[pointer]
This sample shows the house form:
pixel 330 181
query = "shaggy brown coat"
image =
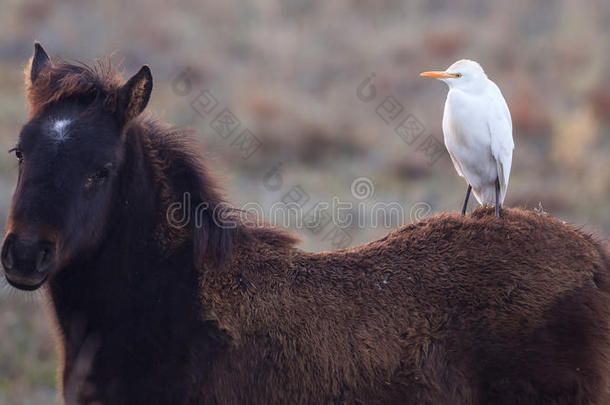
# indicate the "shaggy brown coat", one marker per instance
pixel 450 310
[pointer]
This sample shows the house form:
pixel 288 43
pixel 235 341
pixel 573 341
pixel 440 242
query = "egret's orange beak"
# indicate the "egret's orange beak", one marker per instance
pixel 439 75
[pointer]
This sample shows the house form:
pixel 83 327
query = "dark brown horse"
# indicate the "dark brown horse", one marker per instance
pixel 450 310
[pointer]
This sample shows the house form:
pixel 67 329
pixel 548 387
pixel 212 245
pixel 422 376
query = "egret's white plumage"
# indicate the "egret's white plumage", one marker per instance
pixel 478 129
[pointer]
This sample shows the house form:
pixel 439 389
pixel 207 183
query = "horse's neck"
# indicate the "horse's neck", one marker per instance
pixel 118 289
pixel 119 316
pixel 121 312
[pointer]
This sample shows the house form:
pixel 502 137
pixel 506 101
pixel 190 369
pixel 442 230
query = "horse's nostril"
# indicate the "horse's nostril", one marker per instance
pixel 7 253
pixel 44 258
pixel 42 255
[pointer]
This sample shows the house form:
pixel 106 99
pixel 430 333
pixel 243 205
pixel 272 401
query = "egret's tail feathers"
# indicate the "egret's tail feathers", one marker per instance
pixel 486 195
pixel 503 181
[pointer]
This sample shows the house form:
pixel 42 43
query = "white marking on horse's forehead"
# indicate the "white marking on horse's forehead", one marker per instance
pixel 59 129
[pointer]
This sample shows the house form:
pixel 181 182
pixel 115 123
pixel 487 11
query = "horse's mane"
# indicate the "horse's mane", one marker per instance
pixel 173 157
pixel 179 168
pixel 63 79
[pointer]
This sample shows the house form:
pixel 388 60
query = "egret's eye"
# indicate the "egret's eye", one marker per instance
pixel 458 75
pixel 18 153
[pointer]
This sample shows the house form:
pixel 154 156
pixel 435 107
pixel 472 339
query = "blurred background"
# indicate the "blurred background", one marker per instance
pixel 330 97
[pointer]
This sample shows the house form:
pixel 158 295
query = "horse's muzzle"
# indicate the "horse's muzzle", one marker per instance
pixel 27 263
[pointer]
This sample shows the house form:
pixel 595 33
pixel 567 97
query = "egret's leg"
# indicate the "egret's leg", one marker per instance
pixel 497 198
pixel 466 200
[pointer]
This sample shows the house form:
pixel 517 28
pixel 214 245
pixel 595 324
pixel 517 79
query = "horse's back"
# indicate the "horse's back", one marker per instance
pixel 501 311
pixel 450 310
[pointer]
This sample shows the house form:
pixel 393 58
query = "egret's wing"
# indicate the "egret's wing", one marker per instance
pixel 456 164
pixel 502 145
pixel 448 131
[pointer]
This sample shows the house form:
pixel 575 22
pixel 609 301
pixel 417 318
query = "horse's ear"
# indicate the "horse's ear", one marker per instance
pixel 134 95
pixel 40 61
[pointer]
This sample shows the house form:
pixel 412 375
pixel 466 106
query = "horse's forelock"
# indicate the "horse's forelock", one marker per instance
pixel 62 80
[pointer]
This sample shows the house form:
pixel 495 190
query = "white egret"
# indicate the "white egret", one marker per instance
pixel 477 128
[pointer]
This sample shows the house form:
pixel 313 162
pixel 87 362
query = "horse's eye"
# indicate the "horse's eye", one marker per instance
pixel 99 177
pixel 18 154
pixel 102 173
